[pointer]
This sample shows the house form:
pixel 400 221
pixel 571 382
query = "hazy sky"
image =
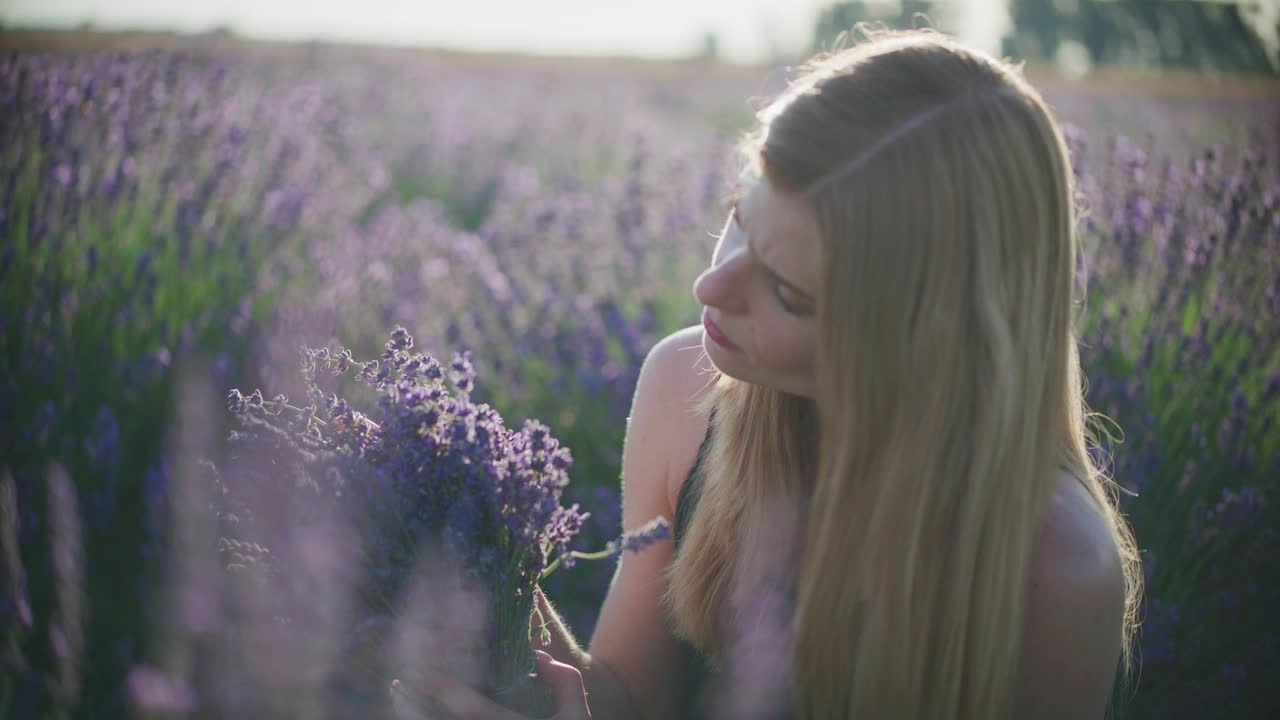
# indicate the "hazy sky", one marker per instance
pixel 651 28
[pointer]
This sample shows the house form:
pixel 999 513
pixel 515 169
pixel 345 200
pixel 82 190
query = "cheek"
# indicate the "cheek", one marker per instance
pixel 791 352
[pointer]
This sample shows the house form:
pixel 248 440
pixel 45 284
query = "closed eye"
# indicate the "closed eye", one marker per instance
pixel 778 290
pixel 777 293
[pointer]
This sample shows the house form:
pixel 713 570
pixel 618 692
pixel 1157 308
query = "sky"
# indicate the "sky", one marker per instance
pixel 746 29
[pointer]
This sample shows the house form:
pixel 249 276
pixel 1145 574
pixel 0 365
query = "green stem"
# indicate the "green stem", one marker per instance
pixel 302 410
pixel 544 635
pixel 600 555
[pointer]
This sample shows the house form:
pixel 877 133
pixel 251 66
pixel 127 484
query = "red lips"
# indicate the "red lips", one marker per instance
pixel 715 333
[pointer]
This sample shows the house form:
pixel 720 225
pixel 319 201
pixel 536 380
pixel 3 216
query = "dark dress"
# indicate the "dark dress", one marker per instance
pixel 699 675
pixel 694 668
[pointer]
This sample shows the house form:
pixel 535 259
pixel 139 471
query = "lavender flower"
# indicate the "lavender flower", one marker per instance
pixel 651 532
pixel 648 534
pixel 436 470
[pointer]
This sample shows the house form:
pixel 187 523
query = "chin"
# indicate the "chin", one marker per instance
pixel 732 364
pixel 738 367
pixel 718 355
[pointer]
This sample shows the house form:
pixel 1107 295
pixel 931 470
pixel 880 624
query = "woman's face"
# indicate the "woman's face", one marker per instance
pixel 760 293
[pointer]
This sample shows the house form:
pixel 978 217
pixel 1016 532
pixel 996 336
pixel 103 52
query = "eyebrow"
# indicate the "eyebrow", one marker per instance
pixel 737 218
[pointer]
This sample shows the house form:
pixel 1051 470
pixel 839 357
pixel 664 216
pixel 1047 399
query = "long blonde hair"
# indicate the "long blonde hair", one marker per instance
pixel 949 389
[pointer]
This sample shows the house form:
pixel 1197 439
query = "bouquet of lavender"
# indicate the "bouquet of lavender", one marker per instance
pixel 436 479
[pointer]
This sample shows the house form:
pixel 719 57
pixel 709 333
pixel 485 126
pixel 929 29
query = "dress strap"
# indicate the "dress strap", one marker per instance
pixel 691 488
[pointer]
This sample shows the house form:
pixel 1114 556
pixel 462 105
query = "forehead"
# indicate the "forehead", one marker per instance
pixel 781 229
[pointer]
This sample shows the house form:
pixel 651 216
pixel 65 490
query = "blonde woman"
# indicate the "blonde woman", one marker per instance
pixel 874 447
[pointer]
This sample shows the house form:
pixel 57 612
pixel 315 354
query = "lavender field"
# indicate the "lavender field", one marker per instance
pixel 175 223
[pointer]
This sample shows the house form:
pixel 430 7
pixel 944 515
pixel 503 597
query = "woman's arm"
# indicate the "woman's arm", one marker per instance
pixel 633 641
pixel 632 669
pixel 1074 621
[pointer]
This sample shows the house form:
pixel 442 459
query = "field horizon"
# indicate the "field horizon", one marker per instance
pixel 1101 79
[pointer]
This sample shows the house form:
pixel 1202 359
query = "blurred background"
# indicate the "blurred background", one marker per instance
pixel 191 191
pixel 1211 35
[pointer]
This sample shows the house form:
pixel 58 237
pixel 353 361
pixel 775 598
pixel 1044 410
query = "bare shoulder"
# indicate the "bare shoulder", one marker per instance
pixel 632 640
pixel 1072 634
pixel 675 375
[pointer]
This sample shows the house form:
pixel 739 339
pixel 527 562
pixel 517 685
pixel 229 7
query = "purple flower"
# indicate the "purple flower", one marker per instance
pixel 436 470
pixel 651 532
pixel 103 442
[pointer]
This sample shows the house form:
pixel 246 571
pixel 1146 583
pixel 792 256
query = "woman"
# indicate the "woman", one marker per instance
pixel 889 444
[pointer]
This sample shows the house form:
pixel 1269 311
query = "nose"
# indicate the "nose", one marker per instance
pixel 722 285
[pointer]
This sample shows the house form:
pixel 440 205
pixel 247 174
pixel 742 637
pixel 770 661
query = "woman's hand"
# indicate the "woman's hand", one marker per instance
pixel 460 702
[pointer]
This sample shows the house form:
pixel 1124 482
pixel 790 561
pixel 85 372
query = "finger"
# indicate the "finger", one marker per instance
pixel 462 702
pixel 566 685
pixel 409 704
